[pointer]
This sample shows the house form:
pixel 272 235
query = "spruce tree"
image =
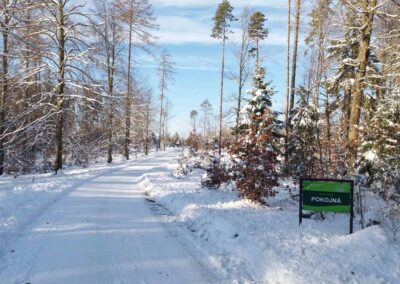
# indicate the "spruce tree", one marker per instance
pixel 255 151
pixel 304 139
pixel 380 147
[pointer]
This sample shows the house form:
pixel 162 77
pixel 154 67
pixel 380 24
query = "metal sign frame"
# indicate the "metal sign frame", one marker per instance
pixel 351 182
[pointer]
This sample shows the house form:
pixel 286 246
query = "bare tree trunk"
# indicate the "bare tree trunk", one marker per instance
pixel 111 70
pixel 310 75
pixel 146 140
pixel 110 135
pixel 346 112
pixel 205 126
pixel 58 164
pixel 368 7
pixel 287 84
pixel 221 94
pixel 328 135
pixel 160 137
pixel 3 97
pixel 26 122
pixel 319 70
pixel 5 83
pixel 128 104
pixel 294 60
pixel 163 127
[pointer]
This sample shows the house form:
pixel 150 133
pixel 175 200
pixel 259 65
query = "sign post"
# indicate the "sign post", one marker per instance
pixel 326 195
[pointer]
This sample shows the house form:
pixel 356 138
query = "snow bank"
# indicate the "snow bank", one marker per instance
pixel 254 244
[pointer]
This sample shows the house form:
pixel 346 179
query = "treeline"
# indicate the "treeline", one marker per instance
pixel 342 117
pixel 69 89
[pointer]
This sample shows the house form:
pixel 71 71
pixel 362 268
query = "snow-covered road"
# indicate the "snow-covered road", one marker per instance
pixel 104 231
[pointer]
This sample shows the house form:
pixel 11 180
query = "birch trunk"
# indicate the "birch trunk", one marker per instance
pixel 58 164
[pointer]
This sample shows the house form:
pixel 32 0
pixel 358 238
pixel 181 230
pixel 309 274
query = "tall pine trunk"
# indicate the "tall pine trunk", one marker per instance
pixel 287 85
pixel 368 7
pixel 294 60
pixel 222 92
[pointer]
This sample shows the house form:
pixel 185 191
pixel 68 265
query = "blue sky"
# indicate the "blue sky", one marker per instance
pixel 185 27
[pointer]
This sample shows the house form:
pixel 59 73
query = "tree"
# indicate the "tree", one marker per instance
pixel 255 151
pixel 207 109
pixel 367 8
pixel 257 32
pixel 165 72
pixel 109 32
pixel 138 15
pixel 64 53
pixel 7 25
pixel 223 17
pixel 294 59
pixel 242 55
pixel 344 51
pixel 164 123
pixel 59 97
pixel 379 158
pixel 319 27
pixel 287 82
pixel 144 117
pixel 193 116
pixel 304 139
pixel 194 141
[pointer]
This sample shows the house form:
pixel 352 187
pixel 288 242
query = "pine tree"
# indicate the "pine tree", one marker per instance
pixel 207 109
pixel 257 32
pixel 193 116
pixel 368 10
pixel 223 17
pixel 294 59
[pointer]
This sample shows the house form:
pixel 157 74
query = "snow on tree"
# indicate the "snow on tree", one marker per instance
pixel 380 157
pixel 380 148
pixel 255 152
pixel 304 140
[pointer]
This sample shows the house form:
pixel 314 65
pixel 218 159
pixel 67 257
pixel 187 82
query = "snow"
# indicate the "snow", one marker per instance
pixel 101 231
pixel 138 222
pixel 371 156
pixel 250 243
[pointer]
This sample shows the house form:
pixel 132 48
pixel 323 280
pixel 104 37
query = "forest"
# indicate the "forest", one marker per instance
pixel 70 93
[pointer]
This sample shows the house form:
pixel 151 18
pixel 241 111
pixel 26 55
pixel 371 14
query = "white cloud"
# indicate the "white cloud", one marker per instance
pixel 206 3
pixel 184 30
pixel 181 30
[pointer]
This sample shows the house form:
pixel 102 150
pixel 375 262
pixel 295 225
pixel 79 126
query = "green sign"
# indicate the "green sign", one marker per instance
pixel 328 196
